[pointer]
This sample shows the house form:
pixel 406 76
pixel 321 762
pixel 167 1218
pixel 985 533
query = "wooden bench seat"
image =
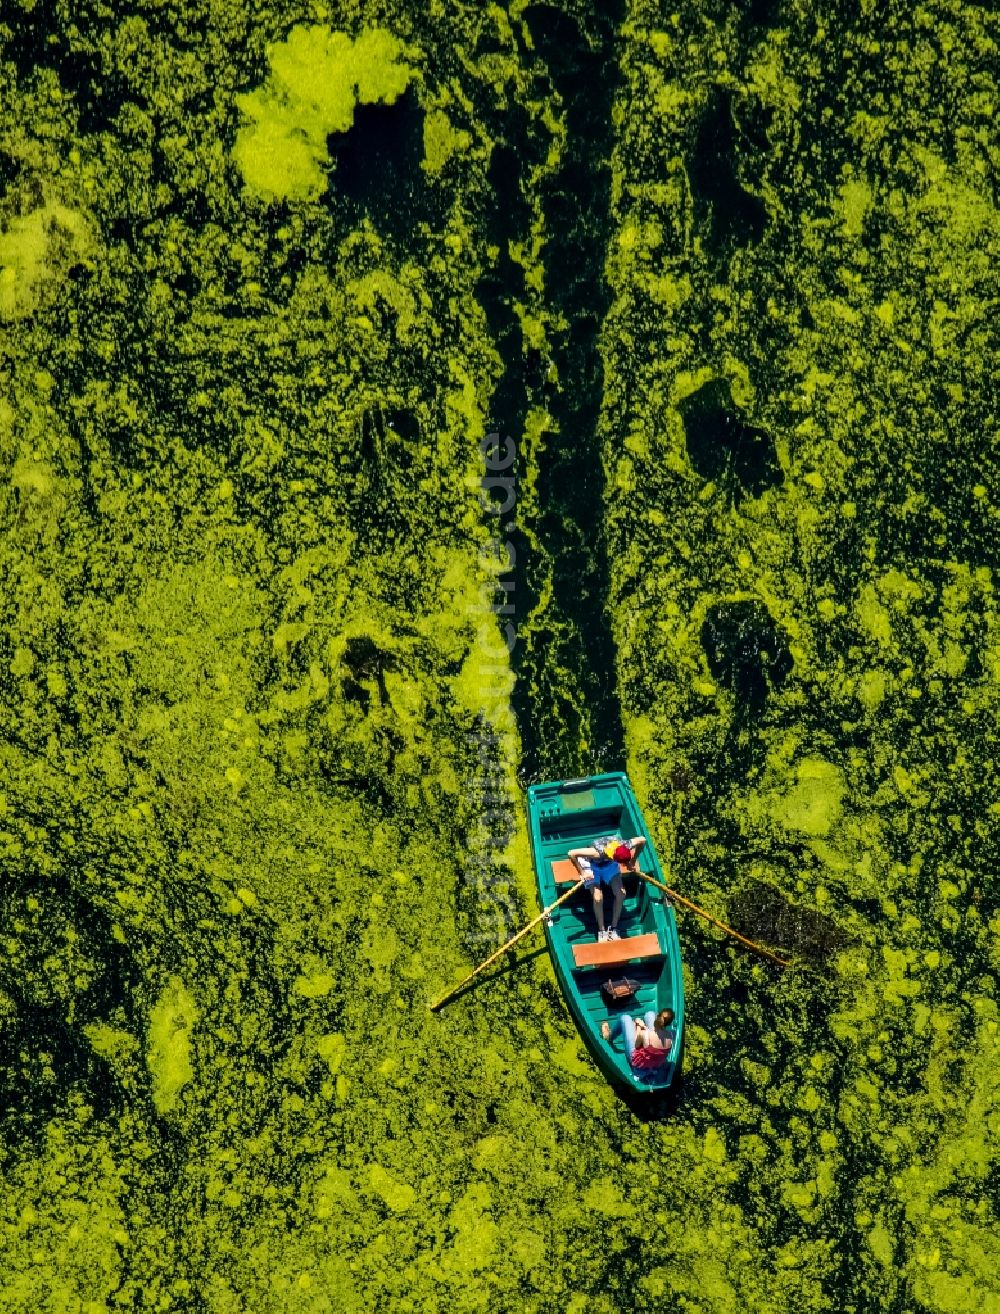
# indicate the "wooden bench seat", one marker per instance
pixel 613 953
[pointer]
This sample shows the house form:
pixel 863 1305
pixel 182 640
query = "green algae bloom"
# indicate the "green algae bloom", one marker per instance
pixel 317 78
pixel 168 1055
pixel 813 804
pixel 442 140
pixel 36 251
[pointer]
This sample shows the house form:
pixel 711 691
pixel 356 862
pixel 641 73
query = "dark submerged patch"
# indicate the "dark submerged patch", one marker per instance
pixel 746 651
pixel 376 166
pixel 763 914
pixel 723 448
pixel 732 215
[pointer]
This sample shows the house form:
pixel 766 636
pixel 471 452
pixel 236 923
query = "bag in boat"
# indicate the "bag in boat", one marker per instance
pixel 615 991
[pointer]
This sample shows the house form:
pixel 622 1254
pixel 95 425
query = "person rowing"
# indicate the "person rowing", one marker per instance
pixel 600 864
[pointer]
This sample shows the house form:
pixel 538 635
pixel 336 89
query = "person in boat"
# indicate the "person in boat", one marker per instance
pixel 648 1039
pixel 599 864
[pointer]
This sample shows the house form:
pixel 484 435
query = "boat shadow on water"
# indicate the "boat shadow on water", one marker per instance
pixel 657 1103
pixel 654 1105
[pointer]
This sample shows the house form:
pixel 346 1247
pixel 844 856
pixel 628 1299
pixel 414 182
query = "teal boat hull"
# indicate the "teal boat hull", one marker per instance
pixel 569 814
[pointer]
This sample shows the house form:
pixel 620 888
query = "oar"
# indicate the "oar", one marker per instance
pixel 503 949
pixel 679 898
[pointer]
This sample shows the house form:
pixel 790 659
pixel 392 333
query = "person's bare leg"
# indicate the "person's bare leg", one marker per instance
pixel 618 889
pixel 599 909
pixel 623 1025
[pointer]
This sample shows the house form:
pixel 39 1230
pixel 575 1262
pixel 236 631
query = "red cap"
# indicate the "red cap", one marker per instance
pixel 623 853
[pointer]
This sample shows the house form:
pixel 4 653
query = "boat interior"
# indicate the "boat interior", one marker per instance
pixel 571 814
pixel 639 954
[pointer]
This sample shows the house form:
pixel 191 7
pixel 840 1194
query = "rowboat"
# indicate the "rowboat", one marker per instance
pixel 568 814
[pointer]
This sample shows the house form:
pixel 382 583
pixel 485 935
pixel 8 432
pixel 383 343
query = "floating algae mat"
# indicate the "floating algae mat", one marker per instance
pixel 723 281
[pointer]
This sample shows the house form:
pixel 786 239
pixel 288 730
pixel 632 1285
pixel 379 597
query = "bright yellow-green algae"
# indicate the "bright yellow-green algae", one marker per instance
pixel 317 78
pixel 168 1057
pixel 36 249
pixel 234 779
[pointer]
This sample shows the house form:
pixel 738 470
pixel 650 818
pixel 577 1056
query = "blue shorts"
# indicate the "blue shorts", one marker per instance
pixel 601 874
